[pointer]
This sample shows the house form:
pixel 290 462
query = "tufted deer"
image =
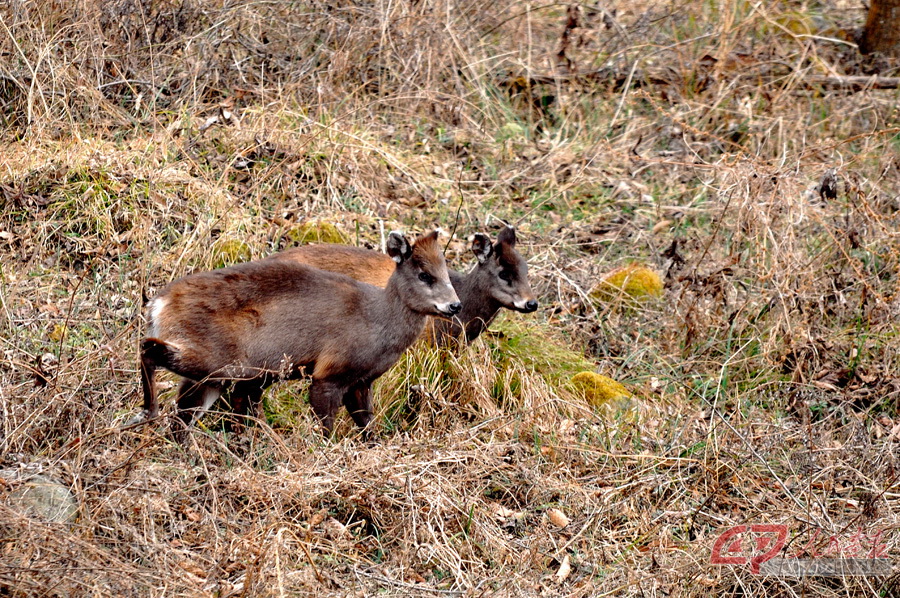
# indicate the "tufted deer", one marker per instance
pixel 239 329
pixel 499 280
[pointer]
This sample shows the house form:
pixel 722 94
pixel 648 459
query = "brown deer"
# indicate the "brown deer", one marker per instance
pixel 499 280
pixel 239 329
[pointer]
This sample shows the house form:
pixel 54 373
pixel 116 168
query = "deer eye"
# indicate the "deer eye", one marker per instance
pixel 426 278
pixel 506 275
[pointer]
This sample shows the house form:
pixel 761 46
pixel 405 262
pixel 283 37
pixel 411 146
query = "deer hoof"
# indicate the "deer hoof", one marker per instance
pixel 140 418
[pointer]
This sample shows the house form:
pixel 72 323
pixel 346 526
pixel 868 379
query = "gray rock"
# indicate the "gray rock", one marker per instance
pixel 40 496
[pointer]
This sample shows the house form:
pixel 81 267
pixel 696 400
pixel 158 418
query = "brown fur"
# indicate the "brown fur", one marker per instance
pixel 482 292
pixel 241 328
pixel 362 264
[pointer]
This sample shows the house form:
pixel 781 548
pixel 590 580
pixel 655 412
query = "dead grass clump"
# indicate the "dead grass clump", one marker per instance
pixel 123 63
pixel 726 145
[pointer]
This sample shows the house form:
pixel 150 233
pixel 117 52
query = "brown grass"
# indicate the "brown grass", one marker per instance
pixel 141 137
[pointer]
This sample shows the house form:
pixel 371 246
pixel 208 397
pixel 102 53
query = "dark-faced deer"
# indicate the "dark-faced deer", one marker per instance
pixel 241 328
pixel 499 280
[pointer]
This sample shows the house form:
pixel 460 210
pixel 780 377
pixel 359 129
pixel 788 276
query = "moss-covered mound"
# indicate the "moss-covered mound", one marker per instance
pixel 634 282
pixel 316 231
pixel 535 347
pixel 227 252
pixel 597 389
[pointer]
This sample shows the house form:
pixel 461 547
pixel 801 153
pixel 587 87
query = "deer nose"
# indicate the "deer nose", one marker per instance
pixel 531 305
pixel 454 308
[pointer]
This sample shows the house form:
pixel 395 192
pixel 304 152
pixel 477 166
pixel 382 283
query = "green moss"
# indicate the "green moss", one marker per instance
pixel 286 405
pixel 511 130
pixel 90 203
pixel 634 282
pixel 426 371
pixel 230 251
pixel 315 231
pixel 537 348
pixel 597 389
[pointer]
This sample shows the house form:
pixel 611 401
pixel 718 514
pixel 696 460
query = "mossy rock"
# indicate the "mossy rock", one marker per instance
pixel 634 282
pixel 315 231
pixel 230 251
pixel 599 390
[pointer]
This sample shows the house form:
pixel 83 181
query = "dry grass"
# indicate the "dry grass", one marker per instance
pixel 143 140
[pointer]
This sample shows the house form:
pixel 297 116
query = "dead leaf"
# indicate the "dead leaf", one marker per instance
pixel 564 569
pixel 557 517
pixel 661 226
pixel 825 385
pixel 895 431
pixel 866 378
pixel 317 518
pixel 192 568
pixel 334 529
pixel 50 309
pixel 209 122
pixel 191 515
pixel 501 512
pixel 414 577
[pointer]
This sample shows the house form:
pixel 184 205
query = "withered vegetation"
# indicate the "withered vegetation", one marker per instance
pixel 746 151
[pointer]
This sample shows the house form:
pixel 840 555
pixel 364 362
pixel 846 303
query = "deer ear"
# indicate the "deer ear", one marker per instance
pixel 398 247
pixel 481 247
pixel 507 236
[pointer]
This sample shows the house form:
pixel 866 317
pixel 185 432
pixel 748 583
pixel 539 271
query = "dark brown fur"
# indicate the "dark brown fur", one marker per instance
pixel 483 292
pixel 241 328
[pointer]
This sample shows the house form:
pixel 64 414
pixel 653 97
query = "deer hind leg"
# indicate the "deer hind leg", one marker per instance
pixel 154 354
pixel 194 399
pixel 358 401
pixel 148 376
pixel 245 399
pixel 325 399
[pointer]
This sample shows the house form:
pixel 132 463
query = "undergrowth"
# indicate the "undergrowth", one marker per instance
pixel 720 144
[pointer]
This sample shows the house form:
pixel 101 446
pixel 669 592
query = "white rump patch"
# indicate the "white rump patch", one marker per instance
pixel 156 308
